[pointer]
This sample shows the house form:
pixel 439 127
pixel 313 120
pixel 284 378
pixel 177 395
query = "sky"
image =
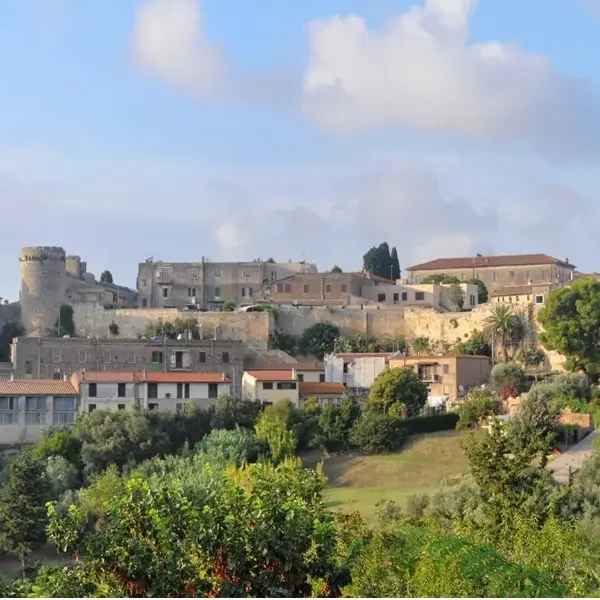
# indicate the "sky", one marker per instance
pixel 313 130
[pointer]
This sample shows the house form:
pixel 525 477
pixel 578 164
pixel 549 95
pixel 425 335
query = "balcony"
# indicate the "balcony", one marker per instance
pixel 164 278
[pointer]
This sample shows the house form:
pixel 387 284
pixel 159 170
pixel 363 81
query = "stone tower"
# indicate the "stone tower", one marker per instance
pixel 43 283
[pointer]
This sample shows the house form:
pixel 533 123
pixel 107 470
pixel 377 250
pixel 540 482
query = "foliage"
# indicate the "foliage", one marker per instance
pixel 421 345
pixel 335 424
pixel 479 405
pixel 476 345
pixel 431 423
pixel 573 404
pixel 309 414
pixel 570 384
pixel 457 296
pixel 369 343
pixel 228 306
pixel 23 506
pixel 65 325
pixel 532 357
pixel 230 446
pixel 336 269
pixel 441 278
pixel 60 442
pixel 113 329
pixel 505 328
pixel 379 261
pixel 508 379
pixel 319 339
pixel 482 291
pixel 255 531
pixel 399 391
pixel 56 581
pixel 274 431
pixel 231 411
pixel 62 475
pixel 571 321
pixel 10 331
pixel 287 342
pixel 171 329
pixel 376 431
pixel 106 277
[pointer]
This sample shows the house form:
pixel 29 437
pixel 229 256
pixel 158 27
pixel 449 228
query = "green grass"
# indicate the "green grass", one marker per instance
pixel 358 482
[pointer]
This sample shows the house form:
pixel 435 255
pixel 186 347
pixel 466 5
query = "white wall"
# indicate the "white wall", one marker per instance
pixel 198 395
pixel 311 376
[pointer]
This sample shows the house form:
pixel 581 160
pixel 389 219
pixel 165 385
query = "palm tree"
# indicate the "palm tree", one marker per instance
pixel 505 328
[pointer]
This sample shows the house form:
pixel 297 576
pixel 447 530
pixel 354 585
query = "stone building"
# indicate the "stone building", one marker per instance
pixel 50 279
pixel 499 271
pixel 55 358
pixel 208 285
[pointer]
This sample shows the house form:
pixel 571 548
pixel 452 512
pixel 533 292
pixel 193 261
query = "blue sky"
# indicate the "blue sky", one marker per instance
pixel 315 129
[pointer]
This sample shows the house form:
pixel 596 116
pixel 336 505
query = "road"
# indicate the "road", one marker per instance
pixel 572 458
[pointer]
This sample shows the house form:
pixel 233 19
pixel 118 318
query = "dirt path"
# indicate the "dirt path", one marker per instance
pixel 572 459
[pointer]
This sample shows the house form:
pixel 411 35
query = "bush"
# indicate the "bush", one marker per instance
pixel 375 432
pixel 431 423
pixel 230 446
pixel 228 306
pixel 479 405
pixel 274 430
pixel 230 412
pixel 508 379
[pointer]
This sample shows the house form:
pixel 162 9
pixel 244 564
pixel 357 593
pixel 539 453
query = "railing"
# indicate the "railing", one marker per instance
pixel 9 417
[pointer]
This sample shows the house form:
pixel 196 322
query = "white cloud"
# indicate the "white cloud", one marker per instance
pixel 421 71
pixel 169 42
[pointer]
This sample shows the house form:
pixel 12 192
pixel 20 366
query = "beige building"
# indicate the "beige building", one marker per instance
pixel 27 408
pixel 271 386
pixel 522 294
pixel 499 271
pixel 113 390
pixel 325 393
pixel 448 377
pixel 54 358
pixel 308 370
pixel 208 285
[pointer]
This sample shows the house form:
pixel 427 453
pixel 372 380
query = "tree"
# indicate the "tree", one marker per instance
pixel 476 345
pixel 482 291
pixel 273 430
pixel 504 328
pixel 231 412
pixel 395 264
pixel 336 269
pixel 376 431
pixel 441 278
pixel 65 325
pixel 171 329
pixel 399 391
pixel 319 339
pixel 233 447
pixel 335 424
pixel 508 379
pixel 479 405
pixel 378 261
pixel 10 331
pixel 532 357
pixel 228 306
pixel 106 277
pixel 113 329
pixel 23 500
pixel 571 321
pixel 457 296
pixel 421 345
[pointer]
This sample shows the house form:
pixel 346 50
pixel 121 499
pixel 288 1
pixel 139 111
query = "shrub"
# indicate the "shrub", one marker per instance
pixel 231 412
pixel 230 446
pixel 228 306
pixel 508 379
pixel 479 405
pixel 375 432
pixel 431 423
pixel 274 431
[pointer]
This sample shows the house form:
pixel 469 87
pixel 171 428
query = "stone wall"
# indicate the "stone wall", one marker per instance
pixel 9 313
pixel 93 319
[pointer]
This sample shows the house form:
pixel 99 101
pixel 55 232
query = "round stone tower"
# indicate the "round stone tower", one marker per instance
pixel 42 287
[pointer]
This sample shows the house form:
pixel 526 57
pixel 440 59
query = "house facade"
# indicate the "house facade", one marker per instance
pixel 355 370
pixel 309 370
pixel 448 377
pixel 325 393
pixel 272 386
pixel 523 294
pixel 499 271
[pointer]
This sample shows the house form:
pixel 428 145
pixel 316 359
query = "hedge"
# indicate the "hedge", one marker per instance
pixel 431 423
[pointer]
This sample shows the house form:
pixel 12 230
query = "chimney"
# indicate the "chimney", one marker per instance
pixel 294 374
pixel 12 376
pixel 65 377
pixel 223 377
pixel 144 374
pixel 567 260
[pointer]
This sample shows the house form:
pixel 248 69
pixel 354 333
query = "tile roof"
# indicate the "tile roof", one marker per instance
pixel 152 377
pixel 309 365
pixel 106 376
pixel 312 388
pixel 36 387
pixel 516 290
pixel 509 260
pixel 283 375
pixel 348 356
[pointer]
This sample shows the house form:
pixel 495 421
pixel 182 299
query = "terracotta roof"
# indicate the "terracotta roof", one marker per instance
pixel 313 388
pixel 152 377
pixel 515 290
pixel 310 365
pixel 509 260
pixel 283 375
pixel 36 387
pixel 348 356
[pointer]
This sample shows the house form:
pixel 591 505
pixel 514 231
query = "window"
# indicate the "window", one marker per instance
pixel 153 390
pixel 380 297
pixel 131 357
pixel 194 274
pixel 56 355
pixel 36 403
pixel 539 299
pixel 463 276
pixel 65 404
pixel 217 293
pixel 225 357
pixel 246 273
pixel 280 288
pixel 472 300
pixel 152 406
pixel 404 296
pixel 202 357
pixel 419 296
pixel 396 297
pixel 300 376
pixel 327 288
pixel 157 356
pixel 165 292
pixel 493 275
pixel 192 292
pixel 143 283
pixel 213 390
pixel 81 356
pixel 306 288
pixel 121 390
pixel 527 276
pixel 511 275
pixel 144 302
pixel 56 374
pixel 180 390
pixel 344 288
pixel 510 299
pixel 93 390
pixel 217 273
pixel 28 368
pixel 446 369
pixel 288 288
pixel 64 411
pixel 9 404
pixel 267 385
pixel 246 292
pixel 91 407
pixel 179 407
pixel 528 297
pixel 186 390
pixel 286 385
pixel 273 275
pixel 120 406
pixel 322 377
